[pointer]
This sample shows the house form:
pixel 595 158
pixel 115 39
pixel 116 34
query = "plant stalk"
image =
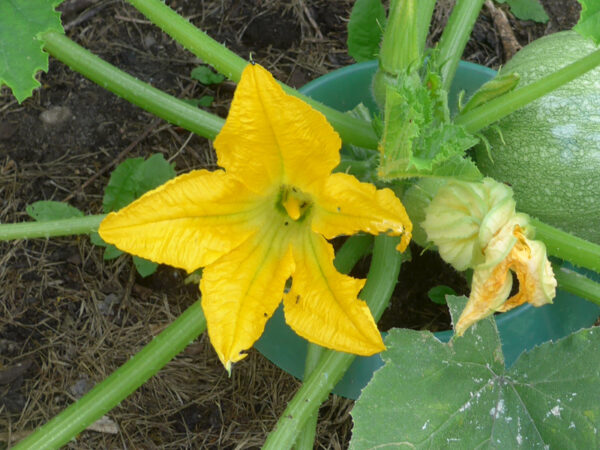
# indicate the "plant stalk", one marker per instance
pixel 455 36
pixel 196 41
pixel 400 47
pixel 346 258
pixel 110 392
pixel 381 281
pixel 563 245
pixel 352 130
pixel 494 110
pixel 403 44
pixel 52 228
pixel 130 88
pixel 577 284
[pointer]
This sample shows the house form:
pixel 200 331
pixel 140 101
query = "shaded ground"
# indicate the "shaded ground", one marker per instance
pixel 67 318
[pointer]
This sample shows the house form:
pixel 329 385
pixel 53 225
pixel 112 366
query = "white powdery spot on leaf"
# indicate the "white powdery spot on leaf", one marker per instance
pixel 554 411
pixel 498 409
pixel 465 406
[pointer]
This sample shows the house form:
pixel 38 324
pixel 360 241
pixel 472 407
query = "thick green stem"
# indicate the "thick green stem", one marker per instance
pixel 306 437
pixel 565 246
pixel 494 110
pixel 400 45
pixel 381 281
pixel 455 36
pixel 424 13
pixel 193 39
pixel 577 284
pixel 130 88
pixel 350 253
pixel 403 43
pixel 53 228
pixel 110 392
pixel 352 130
pixel 346 257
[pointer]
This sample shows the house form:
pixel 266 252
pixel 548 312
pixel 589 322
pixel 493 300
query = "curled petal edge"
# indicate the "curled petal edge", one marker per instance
pixel 492 284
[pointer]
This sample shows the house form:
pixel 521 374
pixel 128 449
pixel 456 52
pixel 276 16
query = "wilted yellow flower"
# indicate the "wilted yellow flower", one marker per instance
pixel 475 225
pixel 263 219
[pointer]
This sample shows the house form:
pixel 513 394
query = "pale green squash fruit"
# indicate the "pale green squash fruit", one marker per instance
pixel 551 150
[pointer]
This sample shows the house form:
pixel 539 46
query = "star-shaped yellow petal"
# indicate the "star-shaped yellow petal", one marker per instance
pixel 188 222
pixel 271 137
pixel 346 206
pixel 241 291
pixel 322 304
pixel 263 219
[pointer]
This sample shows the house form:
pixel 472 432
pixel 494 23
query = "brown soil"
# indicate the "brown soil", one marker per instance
pixel 68 318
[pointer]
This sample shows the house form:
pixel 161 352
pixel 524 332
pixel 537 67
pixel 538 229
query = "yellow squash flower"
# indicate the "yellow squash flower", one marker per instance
pixel 262 219
pixel 475 225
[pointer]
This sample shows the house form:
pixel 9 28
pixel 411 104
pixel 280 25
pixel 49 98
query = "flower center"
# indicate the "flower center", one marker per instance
pixel 295 202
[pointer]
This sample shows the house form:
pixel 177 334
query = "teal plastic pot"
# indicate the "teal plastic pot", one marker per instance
pixel 520 329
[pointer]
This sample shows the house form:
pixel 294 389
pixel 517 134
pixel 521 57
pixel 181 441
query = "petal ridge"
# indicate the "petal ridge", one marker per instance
pixel 242 289
pixel 323 306
pixel 272 137
pixel 208 209
pixel 347 206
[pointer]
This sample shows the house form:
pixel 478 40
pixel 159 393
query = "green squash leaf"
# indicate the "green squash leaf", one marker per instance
pixel 589 21
pixel 460 395
pixel 122 186
pixel 461 167
pixel 21 51
pixel 206 100
pixel 46 210
pixel 206 76
pixel 152 173
pixel 110 251
pixel 527 10
pixel 437 294
pixel 365 29
pixel 144 267
pixel 132 178
pixel 418 138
